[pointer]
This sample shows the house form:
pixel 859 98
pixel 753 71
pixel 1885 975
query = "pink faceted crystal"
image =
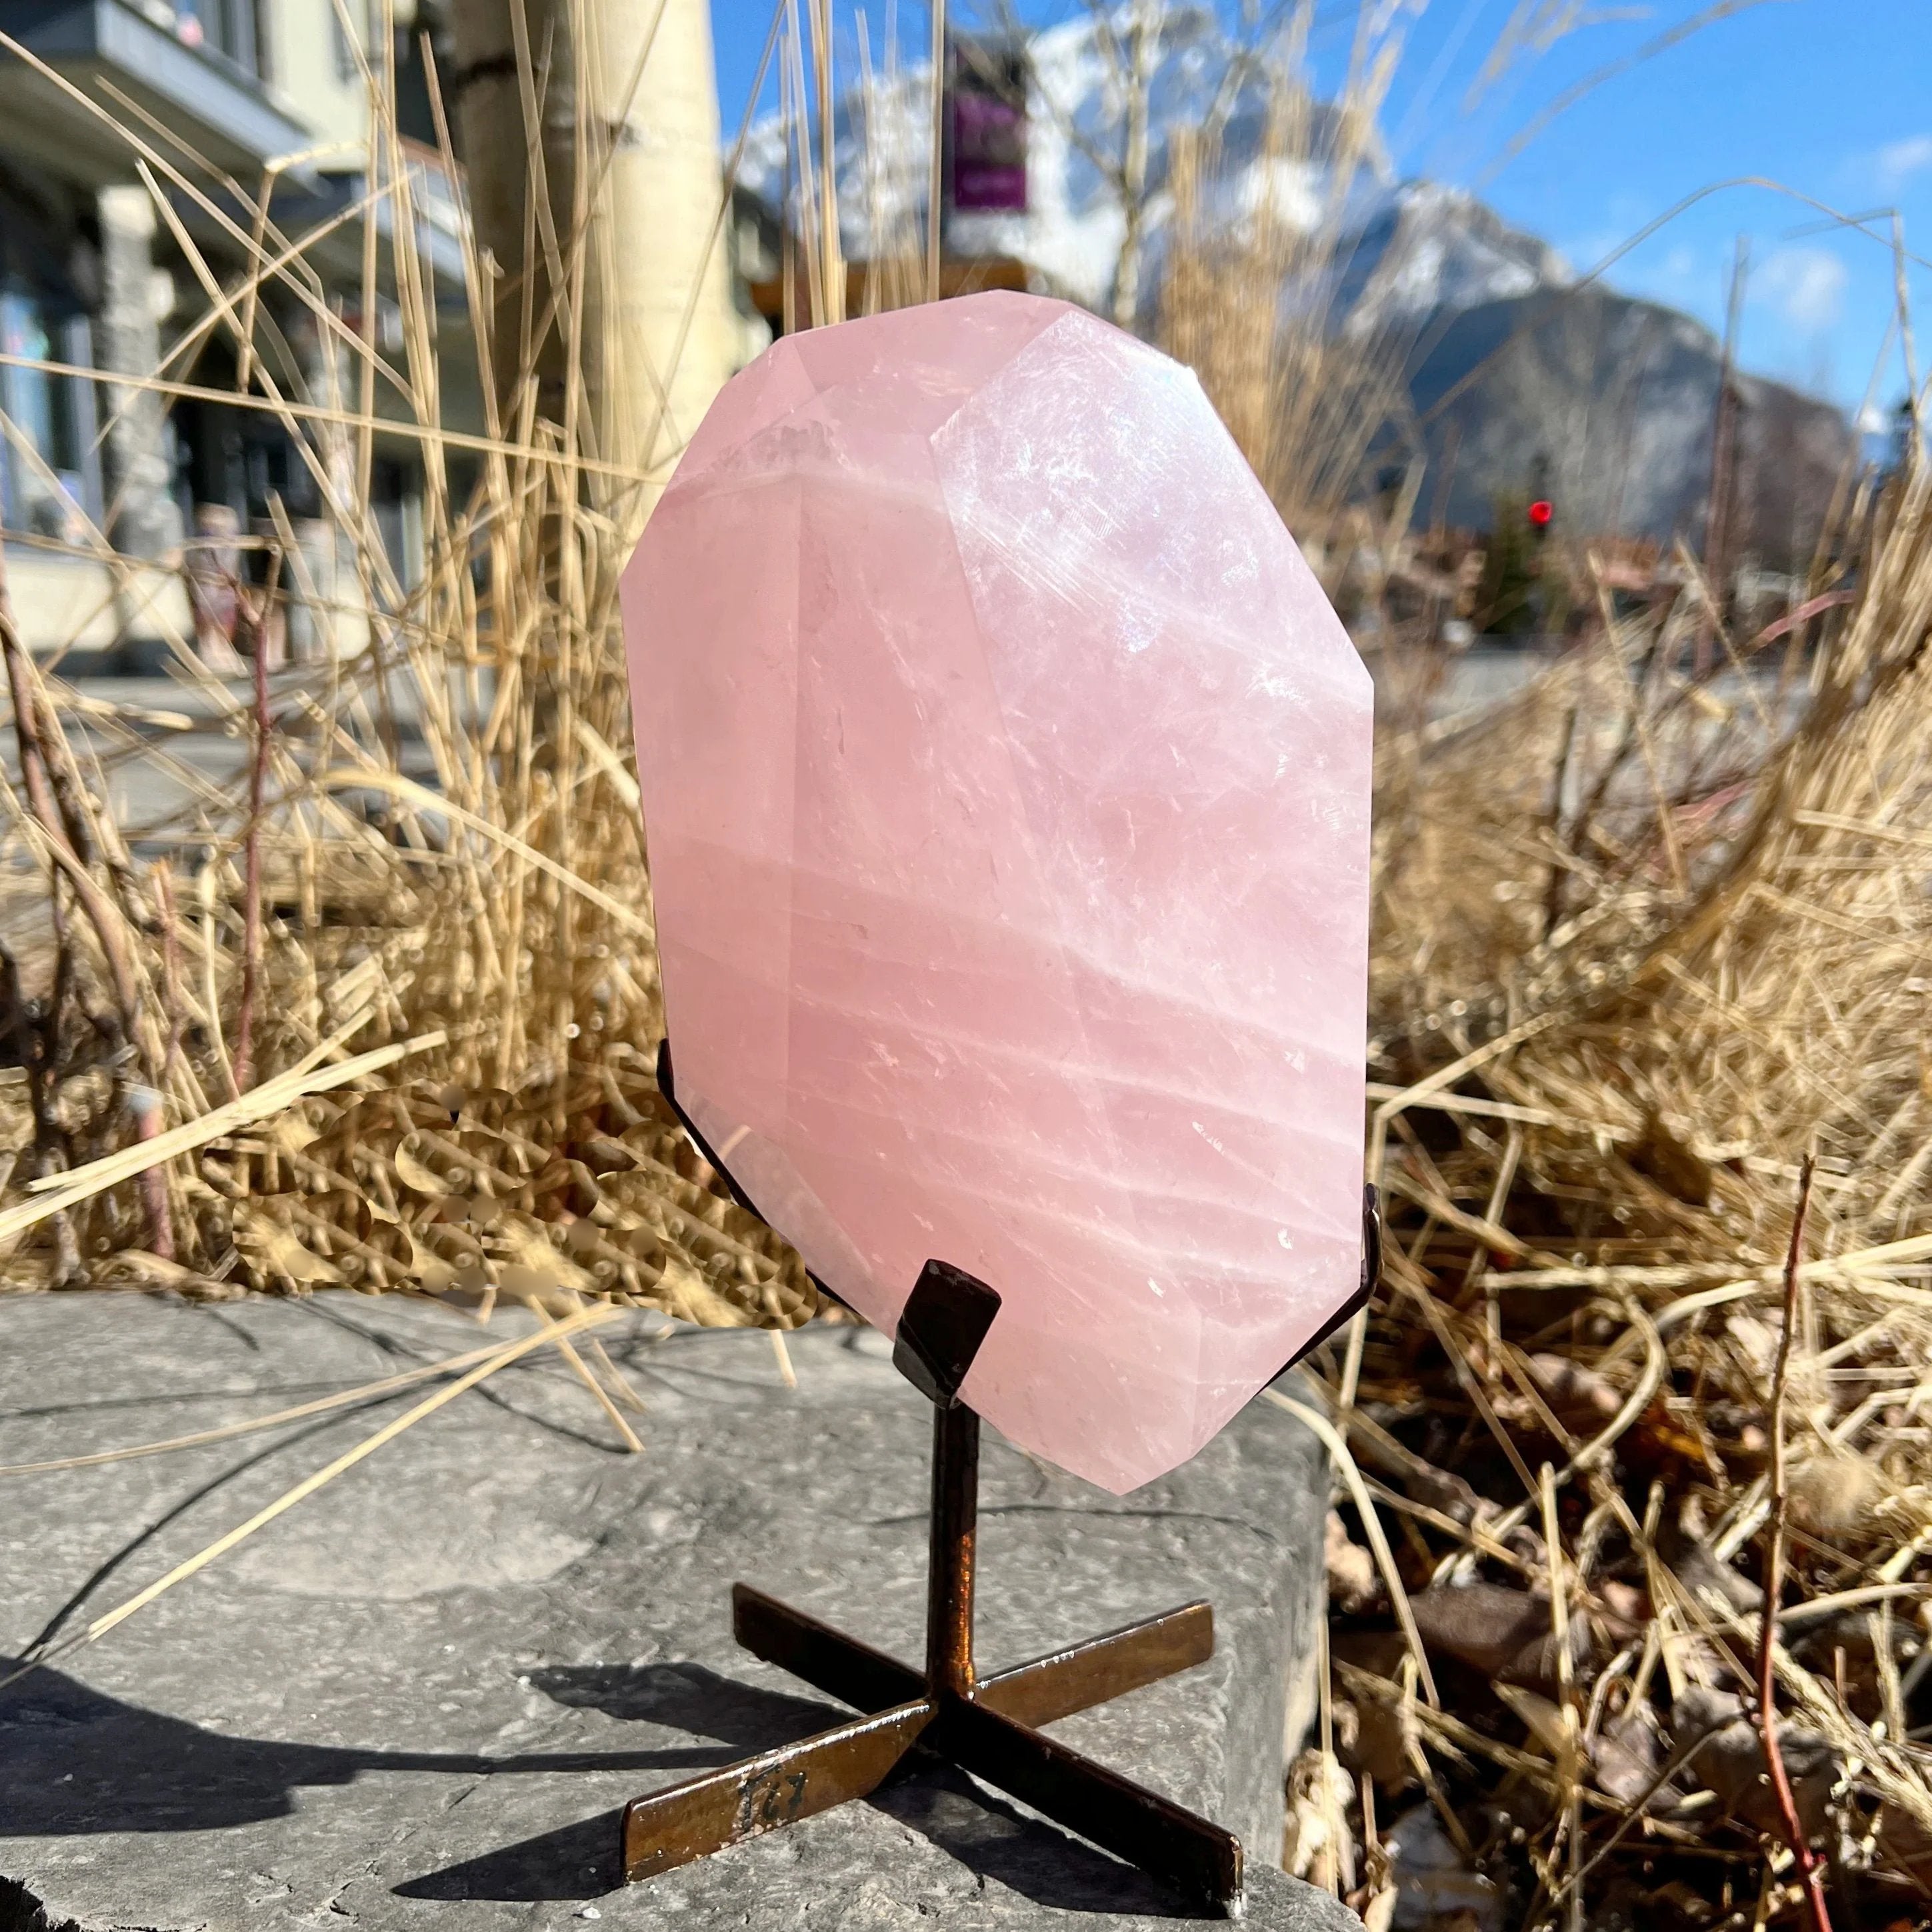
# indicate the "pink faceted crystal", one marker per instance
pixel 1007 778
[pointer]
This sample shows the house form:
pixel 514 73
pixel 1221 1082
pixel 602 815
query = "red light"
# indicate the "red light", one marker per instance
pixel 1540 511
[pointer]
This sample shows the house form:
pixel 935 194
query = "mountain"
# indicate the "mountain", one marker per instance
pixel 1524 382
pixel 1608 403
pixel 1517 376
pixel 1426 251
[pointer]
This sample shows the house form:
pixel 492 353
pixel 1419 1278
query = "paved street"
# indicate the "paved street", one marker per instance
pixel 174 755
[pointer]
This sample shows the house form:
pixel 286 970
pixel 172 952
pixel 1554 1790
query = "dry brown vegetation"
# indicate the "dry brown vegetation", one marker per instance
pixel 396 1031
pixel 1645 945
pixel 1649 968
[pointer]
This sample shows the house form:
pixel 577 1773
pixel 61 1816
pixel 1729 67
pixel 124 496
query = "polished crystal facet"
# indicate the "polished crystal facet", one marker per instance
pixel 1005 776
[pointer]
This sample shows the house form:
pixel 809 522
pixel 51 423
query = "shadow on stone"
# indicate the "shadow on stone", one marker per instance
pixel 73 1762
pixel 688 1697
pixel 575 1861
pixel 995 1840
pixel 580 1861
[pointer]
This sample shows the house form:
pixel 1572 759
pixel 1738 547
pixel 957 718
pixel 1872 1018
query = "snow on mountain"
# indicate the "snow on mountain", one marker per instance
pixel 1071 233
pixel 1430 249
pixel 1409 249
pixel 1513 368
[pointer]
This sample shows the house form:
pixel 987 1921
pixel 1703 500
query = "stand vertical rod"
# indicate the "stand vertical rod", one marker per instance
pixel 955 1512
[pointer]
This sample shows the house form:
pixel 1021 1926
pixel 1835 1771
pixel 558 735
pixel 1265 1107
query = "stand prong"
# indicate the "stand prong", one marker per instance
pixel 1055 1686
pixel 1198 1859
pixel 672 1827
pixel 1040 1692
pixel 827 1659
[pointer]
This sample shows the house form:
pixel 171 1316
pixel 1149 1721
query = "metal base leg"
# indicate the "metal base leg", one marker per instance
pixel 989 1735
pixel 703 1815
pixel 1198 1859
pixel 1039 1692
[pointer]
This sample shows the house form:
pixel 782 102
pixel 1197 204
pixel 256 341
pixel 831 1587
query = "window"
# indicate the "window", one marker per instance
pixel 49 474
pixel 226 27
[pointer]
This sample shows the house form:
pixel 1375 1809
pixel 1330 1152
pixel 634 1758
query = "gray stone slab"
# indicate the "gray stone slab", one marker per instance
pixel 419 1700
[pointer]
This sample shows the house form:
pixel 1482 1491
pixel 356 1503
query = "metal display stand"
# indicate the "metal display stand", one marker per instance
pixel 986 1726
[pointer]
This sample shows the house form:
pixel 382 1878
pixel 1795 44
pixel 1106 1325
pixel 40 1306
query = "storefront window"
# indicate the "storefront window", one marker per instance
pixel 226 27
pixel 47 466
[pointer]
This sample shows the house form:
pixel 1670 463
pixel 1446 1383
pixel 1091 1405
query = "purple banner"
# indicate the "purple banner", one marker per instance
pixel 986 124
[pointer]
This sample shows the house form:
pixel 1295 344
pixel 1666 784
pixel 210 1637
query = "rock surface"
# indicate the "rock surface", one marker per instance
pixel 419 1698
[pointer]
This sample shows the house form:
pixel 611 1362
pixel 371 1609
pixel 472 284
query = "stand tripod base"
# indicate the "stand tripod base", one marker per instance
pixel 987 1731
pixel 983 1725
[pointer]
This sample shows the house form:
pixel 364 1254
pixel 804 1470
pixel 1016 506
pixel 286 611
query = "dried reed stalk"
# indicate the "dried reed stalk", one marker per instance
pixel 433 846
pixel 1810 1873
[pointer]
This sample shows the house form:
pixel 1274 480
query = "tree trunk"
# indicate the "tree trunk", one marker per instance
pixel 667 240
pixel 658 331
pixel 1143 37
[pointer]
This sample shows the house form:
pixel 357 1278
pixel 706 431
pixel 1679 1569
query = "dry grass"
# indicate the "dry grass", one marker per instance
pixel 1252 295
pixel 1644 947
pixel 1647 945
pixel 487 923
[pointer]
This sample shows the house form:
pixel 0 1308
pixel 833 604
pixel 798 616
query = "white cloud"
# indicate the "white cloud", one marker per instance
pixel 1899 161
pixel 1621 219
pixel 1807 285
pixel 1680 265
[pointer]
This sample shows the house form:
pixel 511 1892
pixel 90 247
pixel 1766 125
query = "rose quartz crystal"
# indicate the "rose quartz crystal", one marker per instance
pixel 1006 779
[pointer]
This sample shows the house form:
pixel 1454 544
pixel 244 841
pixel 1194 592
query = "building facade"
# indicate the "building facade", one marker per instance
pixel 135 140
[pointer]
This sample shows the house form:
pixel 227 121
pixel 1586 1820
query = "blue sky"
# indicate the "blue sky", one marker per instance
pixel 1831 98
